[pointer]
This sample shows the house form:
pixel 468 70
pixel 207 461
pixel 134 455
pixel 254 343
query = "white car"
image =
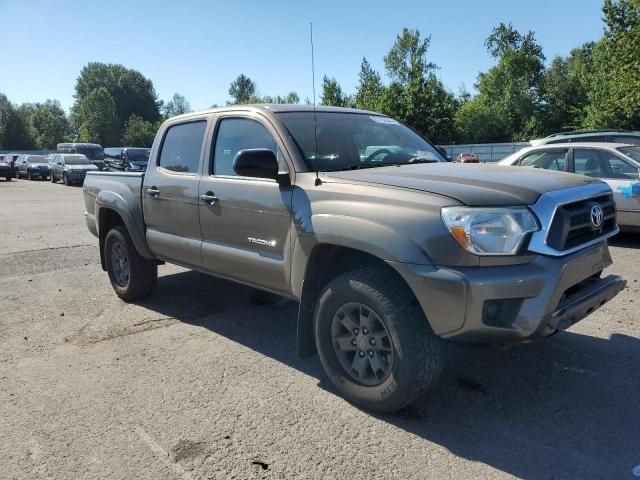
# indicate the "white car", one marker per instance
pixel 616 163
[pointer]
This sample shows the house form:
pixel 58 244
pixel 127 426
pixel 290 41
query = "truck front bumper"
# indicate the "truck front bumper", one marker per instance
pixel 515 303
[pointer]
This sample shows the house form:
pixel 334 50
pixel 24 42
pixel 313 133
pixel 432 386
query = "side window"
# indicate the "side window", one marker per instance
pixel 550 160
pixel 182 146
pixel 632 140
pixel 236 134
pixel 588 162
pixel 591 139
pixel 618 168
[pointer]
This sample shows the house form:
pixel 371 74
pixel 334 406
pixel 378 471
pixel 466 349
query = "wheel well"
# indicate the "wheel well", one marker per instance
pixel 106 221
pixel 326 263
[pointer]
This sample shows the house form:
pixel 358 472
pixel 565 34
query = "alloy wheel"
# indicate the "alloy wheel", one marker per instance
pixel 362 343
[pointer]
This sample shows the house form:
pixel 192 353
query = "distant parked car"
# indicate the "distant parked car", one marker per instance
pixel 92 151
pixel 126 159
pixel 11 158
pixel 5 171
pixel 32 167
pixel 617 164
pixel 70 168
pixel 599 136
pixel 468 158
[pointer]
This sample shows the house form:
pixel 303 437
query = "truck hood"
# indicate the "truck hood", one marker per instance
pixel 471 184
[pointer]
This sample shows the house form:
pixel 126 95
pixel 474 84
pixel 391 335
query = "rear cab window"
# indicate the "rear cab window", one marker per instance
pixel 182 147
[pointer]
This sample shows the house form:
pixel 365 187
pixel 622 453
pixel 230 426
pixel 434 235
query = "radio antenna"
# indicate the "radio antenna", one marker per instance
pixel 315 113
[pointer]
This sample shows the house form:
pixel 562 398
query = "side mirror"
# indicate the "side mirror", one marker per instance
pixel 257 163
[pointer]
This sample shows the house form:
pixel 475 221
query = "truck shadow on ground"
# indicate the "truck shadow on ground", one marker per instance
pixel 567 407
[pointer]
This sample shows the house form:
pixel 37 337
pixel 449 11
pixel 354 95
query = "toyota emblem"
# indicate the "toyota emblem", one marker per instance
pixel 597 216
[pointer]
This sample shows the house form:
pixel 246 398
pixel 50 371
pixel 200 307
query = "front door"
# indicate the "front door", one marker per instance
pixel 245 222
pixel 170 194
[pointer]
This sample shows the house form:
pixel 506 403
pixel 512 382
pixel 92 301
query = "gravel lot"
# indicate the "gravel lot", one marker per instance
pixel 198 382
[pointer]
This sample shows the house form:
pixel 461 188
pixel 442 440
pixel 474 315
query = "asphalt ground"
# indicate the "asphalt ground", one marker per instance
pixel 201 381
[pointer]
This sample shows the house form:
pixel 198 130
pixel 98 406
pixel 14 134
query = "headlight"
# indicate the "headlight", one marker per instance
pixel 489 231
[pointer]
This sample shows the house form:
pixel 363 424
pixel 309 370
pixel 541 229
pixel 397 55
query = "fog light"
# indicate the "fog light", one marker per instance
pixel 501 312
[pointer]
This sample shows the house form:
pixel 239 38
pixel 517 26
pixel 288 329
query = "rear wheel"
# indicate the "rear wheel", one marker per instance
pixel 53 179
pixel 374 342
pixel 131 275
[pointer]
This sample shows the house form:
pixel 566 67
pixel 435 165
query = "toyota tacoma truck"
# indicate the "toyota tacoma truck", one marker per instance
pixel 389 249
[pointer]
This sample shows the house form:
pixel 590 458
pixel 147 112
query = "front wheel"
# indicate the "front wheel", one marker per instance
pixel 374 341
pixel 131 275
pixel 65 179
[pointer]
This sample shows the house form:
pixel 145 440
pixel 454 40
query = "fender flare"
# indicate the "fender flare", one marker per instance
pixel 131 217
pixel 365 236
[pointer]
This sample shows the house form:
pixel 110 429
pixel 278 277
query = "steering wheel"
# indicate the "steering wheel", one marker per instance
pixel 376 153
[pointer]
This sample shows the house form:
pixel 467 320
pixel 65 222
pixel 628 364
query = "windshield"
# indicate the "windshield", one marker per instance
pixel 76 160
pixel 138 154
pixel 36 159
pixel 355 140
pixel 632 152
pixel 92 153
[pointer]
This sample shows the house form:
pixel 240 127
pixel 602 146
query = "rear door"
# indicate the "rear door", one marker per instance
pixel 170 193
pixel 245 229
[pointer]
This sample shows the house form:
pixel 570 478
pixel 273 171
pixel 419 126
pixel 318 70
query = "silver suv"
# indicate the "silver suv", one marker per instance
pixel 601 136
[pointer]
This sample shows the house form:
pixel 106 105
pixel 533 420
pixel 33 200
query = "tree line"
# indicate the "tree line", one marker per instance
pixel 113 105
pixel 518 98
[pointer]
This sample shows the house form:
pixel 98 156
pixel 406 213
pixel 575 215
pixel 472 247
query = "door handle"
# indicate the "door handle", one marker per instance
pixel 153 192
pixel 209 197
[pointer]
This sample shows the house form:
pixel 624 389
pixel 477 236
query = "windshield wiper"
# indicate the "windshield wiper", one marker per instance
pixel 357 166
pixel 415 160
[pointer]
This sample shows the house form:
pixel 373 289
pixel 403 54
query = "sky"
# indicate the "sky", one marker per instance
pixel 197 48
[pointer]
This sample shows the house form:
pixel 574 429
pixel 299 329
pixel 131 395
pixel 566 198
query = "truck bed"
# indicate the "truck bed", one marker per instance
pixel 121 191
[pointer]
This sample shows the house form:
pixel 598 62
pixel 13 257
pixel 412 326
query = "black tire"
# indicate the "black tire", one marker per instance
pixel 415 353
pixel 142 273
pixel 53 179
pixel 29 177
pixel 65 179
pixel 8 178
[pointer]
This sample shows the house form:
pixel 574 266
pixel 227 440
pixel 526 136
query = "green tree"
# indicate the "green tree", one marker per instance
pixel 614 93
pixel 15 126
pixel 370 88
pixel 332 93
pixel 477 122
pixel 510 93
pixel 130 93
pixel 176 106
pixel 138 132
pixel 416 96
pixel 290 98
pixel 97 119
pixel 242 90
pixel 50 124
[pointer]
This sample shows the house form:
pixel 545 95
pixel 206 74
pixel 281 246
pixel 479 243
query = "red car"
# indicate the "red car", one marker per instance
pixel 468 158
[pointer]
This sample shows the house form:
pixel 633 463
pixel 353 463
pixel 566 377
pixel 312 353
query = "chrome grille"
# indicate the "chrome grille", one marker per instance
pixel 564 215
pixel 571 225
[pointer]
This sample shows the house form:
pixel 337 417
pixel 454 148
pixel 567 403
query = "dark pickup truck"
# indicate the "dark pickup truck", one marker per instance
pixel 389 249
